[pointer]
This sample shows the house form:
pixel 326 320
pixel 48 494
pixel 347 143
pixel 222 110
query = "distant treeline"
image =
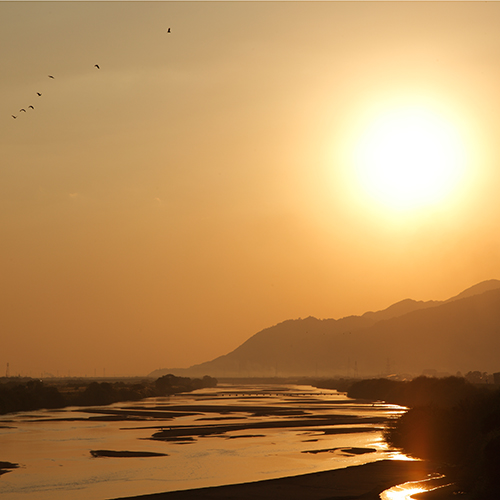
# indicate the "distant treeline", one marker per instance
pixel 420 391
pixel 35 394
pixel 450 421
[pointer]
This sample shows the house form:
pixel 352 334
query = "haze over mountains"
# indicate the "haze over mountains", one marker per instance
pixel 459 334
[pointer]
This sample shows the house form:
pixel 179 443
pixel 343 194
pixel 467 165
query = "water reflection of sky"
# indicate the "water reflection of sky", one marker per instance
pixel 53 447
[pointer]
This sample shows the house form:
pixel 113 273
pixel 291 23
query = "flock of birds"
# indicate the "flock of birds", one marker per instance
pixel 39 94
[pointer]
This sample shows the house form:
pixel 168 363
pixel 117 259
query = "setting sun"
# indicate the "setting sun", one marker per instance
pixel 409 157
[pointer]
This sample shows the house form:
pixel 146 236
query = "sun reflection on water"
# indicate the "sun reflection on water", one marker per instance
pixel 392 454
pixel 406 490
pixel 401 492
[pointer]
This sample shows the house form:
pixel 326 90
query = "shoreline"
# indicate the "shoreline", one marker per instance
pixel 360 482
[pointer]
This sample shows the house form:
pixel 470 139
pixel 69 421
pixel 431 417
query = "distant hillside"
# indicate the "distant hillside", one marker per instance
pixel 459 334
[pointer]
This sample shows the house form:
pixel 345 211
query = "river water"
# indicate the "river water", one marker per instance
pixel 210 437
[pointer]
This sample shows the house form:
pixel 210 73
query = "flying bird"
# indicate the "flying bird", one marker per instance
pixel 22 110
pixel 96 66
pixel 13 116
pixel 38 94
pixel 50 76
pixel 168 31
pixel 32 107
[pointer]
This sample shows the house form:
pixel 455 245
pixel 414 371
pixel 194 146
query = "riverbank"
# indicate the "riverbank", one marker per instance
pixel 363 482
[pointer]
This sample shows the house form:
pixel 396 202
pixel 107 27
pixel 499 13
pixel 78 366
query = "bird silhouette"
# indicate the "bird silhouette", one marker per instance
pixel 96 66
pixel 13 116
pixel 50 76
pixel 22 110
pixel 32 107
pixel 38 94
pixel 168 31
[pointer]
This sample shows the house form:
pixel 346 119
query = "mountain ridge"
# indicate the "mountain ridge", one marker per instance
pixel 460 333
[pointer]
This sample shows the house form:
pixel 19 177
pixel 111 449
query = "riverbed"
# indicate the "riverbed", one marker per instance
pixel 210 437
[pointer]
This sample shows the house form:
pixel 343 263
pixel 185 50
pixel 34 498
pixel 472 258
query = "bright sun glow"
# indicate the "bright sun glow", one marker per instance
pixel 409 158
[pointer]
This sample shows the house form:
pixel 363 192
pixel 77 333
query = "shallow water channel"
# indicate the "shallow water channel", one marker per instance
pixel 225 435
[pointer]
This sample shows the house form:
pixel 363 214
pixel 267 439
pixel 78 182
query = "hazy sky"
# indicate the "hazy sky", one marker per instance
pixel 210 182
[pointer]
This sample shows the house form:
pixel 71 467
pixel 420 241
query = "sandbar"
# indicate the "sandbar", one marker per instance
pixel 7 467
pixel 125 454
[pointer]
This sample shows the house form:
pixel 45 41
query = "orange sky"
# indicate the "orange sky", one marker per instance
pixel 199 186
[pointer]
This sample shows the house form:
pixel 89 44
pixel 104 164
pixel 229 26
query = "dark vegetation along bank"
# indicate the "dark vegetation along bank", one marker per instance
pixel 31 394
pixel 449 421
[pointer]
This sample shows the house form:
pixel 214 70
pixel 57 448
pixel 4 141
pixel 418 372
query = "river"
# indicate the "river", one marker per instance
pixel 210 437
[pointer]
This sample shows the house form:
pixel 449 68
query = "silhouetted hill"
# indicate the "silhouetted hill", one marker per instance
pixel 400 308
pixel 459 334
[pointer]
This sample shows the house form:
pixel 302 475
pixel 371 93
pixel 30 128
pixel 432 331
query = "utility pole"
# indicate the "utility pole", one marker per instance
pixel 7 372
